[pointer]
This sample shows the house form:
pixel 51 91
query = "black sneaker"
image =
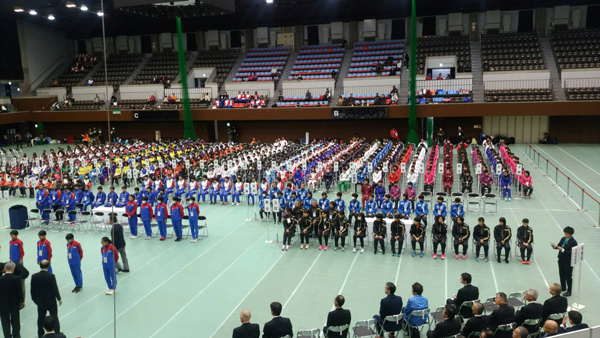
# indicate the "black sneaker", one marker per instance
pixel 499 260
pixel 126 270
pixel 178 240
pixel 507 261
pixel 75 290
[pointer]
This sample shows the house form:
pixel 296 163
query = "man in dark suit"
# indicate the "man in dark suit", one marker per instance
pixel 504 314
pixel 49 326
pixel 11 299
pixel 338 317
pixel 278 326
pixel 565 270
pixel 22 273
pixel 533 310
pixel 575 318
pixel 448 327
pixel 44 293
pixel 246 330
pixel 554 304
pixel 477 323
pixel 467 293
pixel 520 332
pixel 389 306
pixel 550 328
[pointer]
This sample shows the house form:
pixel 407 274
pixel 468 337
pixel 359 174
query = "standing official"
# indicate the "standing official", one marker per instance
pixel 565 270
pixel 11 299
pixel 118 240
pixel 44 293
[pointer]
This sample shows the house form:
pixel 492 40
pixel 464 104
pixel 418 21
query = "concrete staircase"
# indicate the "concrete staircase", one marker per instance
pixel 89 75
pixel 546 47
pixel 287 69
pixel 137 70
pixel 54 75
pixel 477 71
pixel 235 67
pixel 339 87
pixel 188 65
pixel 404 89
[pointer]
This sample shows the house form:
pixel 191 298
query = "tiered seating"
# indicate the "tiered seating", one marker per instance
pixel 258 63
pixel 576 48
pixel 511 52
pixel 162 64
pixel 368 54
pixel 368 99
pixel 222 60
pixel 81 65
pixel 119 67
pixel 317 62
pixel 515 95
pixel 583 93
pixel 301 101
pixel 444 45
pixel 429 96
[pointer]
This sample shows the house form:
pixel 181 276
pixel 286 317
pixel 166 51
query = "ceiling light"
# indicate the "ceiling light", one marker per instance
pixel 84 8
pixel 269 1
pixel 71 5
pixel 51 17
pixel 19 9
pixel 32 12
pixel 100 13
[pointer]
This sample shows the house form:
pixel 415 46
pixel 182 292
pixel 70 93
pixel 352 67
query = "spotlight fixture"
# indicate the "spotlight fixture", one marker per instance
pixel 100 13
pixel 71 5
pixel 19 9
pixel 269 1
pixel 84 8
pixel 32 12
pixel 51 17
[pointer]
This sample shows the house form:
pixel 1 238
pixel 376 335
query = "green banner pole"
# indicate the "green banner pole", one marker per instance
pixel 412 100
pixel 188 123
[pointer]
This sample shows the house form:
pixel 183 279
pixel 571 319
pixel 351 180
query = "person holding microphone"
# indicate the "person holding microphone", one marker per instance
pixel 565 270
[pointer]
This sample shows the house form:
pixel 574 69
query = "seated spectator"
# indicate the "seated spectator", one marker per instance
pixel 378 68
pixel 447 77
pixel 394 90
pixel 486 65
pixel 448 327
pixel 278 326
pixel 440 77
pixel 155 79
pixel 428 77
pixel 520 332
pixel 546 139
pixel 394 98
pixel 575 319
pixel 416 303
pixel 477 323
pixel 90 82
pixel 550 328
pixel 389 61
pixel 54 83
pixel 49 325
pixel 533 309
pixel 299 78
pixel 274 105
pixel 338 317
pixel 340 101
pixel 308 95
pixel 504 314
pixel 495 99
pixel 273 72
pixel 327 95
pixel 391 305
pixel 393 71
pixel 153 99
pixel 333 74
pixel 97 99
pixel 556 303
pixel 174 97
pixel 467 67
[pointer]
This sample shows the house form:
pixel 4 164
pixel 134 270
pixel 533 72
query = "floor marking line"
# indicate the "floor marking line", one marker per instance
pixel 302 280
pixel 203 289
pixel 576 159
pixel 494 275
pixel 344 284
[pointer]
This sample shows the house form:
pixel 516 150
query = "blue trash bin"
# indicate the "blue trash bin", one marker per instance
pixel 18 216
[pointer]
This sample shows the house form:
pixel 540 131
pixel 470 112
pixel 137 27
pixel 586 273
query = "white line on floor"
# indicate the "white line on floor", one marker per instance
pixel 587 166
pixel 494 274
pixel 302 280
pixel 344 284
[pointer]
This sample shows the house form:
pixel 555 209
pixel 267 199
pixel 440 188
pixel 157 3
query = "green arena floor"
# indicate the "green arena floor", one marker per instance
pixel 198 289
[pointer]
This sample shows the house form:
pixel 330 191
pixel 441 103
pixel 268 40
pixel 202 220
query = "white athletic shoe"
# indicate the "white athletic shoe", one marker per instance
pixel 287 247
pixel 110 292
pixel 194 240
pixel 148 238
pixel 232 203
pixel 362 250
pixel 283 248
pixel 354 250
pixel 133 237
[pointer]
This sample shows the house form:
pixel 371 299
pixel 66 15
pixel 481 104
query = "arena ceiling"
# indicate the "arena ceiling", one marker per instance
pixel 200 15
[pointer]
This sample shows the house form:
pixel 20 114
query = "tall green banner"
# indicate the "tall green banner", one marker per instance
pixel 412 100
pixel 188 123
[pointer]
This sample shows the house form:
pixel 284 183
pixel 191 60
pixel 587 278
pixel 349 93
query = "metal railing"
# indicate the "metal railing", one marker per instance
pixel 381 89
pixel 261 92
pixel 194 93
pixel 447 85
pixel 142 97
pixel 518 84
pixel 302 91
pixel 86 97
pixel 581 83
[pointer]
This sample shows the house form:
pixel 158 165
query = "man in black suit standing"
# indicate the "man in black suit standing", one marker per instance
pixel 44 293
pixel 565 270
pixel 554 304
pixel 504 314
pixel 49 327
pixel 278 326
pixel 389 306
pixel 338 317
pixel 11 298
pixel 533 310
pixel 575 318
pixel 246 330
pixel 477 323
pixel 467 293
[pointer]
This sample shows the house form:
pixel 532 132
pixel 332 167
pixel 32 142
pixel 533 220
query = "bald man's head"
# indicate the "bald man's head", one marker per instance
pixel 550 327
pixel 555 289
pixel 245 316
pixel 477 308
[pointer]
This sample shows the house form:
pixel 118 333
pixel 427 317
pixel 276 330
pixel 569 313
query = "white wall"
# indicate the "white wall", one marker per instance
pixel 42 46
pixel 308 84
pixel 519 75
pixel 374 81
pixel 588 73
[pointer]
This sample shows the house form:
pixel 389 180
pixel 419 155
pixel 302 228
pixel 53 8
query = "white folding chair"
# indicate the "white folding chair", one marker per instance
pixel 472 201
pixel 364 328
pixel 490 200
pixel 535 324
pixel 423 314
pixel 517 299
pixel 397 319
pixel 505 328
pixel 336 329
pixel 309 333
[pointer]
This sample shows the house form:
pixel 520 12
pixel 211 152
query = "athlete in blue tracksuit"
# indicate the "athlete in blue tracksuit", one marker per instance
pixel 250 195
pixel 74 257
pixel 78 194
pixel 302 192
pixel 100 198
pixel 298 175
pixel 353 207
pixel 176 218
pixel 110 257
pixel 69 203
pixel 132 219
pixel 161 213
pixel 44 250
pixel 387 207
pixel 42 201
pixel 192 189
pixel 371 207
pixel 152 196
pixel 111 198
pixel 505 182
pixel 379 194
pixel 422 209
pixel 308 201
pixel 146 215
pixel 404 207
pixel 193 214
pixel 439 209
pixel 137 196
pixel 457 209
pixel 340 204
pixel 56 200
pixel 226 189
pixel 238 190
pixel 87 198
pixel 123 198
pixel 215 189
